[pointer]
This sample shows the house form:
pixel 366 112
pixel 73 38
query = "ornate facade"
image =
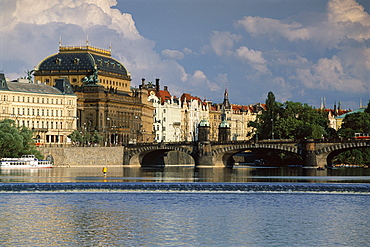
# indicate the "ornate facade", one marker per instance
pixel 106 102
pixel 167 115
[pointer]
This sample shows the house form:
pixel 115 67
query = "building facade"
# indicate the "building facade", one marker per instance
pixel 106 102
pixel 167 115
pixel 49 111
pixel 193 111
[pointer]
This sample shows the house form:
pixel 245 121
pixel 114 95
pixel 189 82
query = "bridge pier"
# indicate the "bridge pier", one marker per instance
pixel 204 157
pixel 309 155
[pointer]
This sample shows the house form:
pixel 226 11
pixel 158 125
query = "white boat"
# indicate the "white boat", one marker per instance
pixel 25 162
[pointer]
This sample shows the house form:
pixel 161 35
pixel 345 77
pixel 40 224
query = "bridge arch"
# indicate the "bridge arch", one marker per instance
pixel 222 155
pixel 326 154
pixel 150 155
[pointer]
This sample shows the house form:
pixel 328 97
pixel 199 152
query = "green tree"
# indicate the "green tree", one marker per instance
pixel 76 137
pixel 358 122
pixel 87 138
pixel 367 110
pixel 290 120
pixel 96 138
pixel 264 124
pixel 16 141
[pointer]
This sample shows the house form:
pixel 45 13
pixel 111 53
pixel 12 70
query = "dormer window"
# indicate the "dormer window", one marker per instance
pixel 58 61
pixel 76 61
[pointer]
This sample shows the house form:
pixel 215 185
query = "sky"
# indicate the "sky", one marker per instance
pixel 301 50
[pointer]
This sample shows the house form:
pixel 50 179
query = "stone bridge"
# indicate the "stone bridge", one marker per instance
pixel 315 153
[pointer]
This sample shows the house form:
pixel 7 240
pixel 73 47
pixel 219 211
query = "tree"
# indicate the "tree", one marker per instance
pixel 76 137
pixel 96 138
pixel 264 124
pixel 358 122
pixel 291 120
pixel 367 110
pixel 16 141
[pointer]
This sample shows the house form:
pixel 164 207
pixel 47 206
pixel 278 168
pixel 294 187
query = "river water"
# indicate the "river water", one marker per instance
pixel 185 206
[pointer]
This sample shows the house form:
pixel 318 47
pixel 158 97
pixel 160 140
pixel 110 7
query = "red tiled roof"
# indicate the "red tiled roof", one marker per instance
pixel 162 94
pixel 187 97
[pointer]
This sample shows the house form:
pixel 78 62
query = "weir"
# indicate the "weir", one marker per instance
pixel 184 187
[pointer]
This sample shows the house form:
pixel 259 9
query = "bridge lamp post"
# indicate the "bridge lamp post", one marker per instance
pixel 107 134
pixel 272 128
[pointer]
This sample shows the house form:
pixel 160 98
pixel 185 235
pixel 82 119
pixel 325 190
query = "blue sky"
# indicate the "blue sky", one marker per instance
pixel 300 50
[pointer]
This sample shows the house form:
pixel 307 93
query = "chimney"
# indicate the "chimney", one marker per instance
pixel 143 82
pixel 165 88
pixel 157 84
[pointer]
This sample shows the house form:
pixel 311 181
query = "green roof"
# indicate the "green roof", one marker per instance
pixel 351 112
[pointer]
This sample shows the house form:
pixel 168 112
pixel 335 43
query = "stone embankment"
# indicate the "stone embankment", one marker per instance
pixel 84 156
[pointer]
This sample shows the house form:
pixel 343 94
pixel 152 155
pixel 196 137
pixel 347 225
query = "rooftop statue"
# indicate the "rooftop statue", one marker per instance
pixel 29 75
pixel 92 79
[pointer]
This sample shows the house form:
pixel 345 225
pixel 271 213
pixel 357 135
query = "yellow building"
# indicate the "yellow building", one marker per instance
pixel 105 100
pixel 49 111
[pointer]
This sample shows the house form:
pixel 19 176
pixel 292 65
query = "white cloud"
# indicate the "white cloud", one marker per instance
pixel 255 58
pixel 172 54
pixel 84 13
pixel 187 51
pixel 259 25
pixel 199 80
pixel 349 19
pixel 34 27
pixel 250 55
pixel 223 42
pixel 347 11
pixel 329 74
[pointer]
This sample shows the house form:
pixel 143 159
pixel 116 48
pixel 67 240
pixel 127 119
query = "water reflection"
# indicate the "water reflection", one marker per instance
pixel 185 174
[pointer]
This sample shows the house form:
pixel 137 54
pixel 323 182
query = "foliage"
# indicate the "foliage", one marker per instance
pixel 367 110
pixel 358 122
pixel 86 138
pixel 290 120
pixel 16 141
pixel 76 137
pixel 96 138
pixel 359 156
pixel 355 123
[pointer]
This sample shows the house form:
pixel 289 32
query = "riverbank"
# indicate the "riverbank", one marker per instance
pixel 84 156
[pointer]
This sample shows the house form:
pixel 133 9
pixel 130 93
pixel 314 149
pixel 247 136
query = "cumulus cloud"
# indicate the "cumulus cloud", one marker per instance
pixel 329 74
pixel 255 58
pixel 172 54
pixel 346 71
pixel 199 80
pixel 84 13
pixel 33 30
pixel 223 42
pixel 259 25
pixel 349 19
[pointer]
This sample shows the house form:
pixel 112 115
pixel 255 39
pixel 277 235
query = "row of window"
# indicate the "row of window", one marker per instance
pixel 113 83
pixel 102 81
pixel 35 100
pixel 38 112
pixel 40 124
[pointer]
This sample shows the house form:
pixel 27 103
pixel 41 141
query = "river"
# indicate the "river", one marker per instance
pixel 185 206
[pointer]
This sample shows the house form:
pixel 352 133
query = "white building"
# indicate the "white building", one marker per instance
pixel 193 111
pixel 49 111
pixel 166 116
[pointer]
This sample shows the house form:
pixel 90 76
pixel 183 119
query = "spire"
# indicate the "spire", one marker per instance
pixel 226 102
